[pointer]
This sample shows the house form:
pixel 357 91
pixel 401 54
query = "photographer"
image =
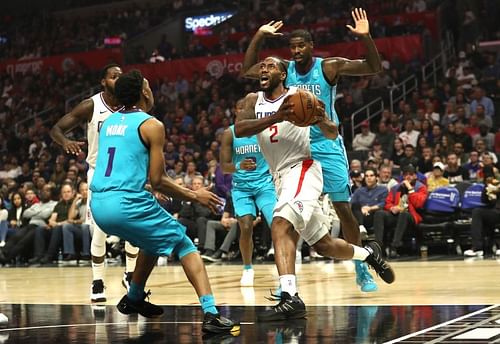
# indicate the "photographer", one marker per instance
pixel 400 210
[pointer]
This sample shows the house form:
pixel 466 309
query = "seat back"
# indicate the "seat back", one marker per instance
pixel 472 197
pixel 443 200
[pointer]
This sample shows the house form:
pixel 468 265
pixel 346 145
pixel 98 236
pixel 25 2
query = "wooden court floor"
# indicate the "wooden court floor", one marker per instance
pixel 448 301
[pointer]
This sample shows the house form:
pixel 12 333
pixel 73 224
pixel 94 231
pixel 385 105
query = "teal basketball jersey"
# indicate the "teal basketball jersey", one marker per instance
pixel 122 157
pixel 314 81
pixel 248 148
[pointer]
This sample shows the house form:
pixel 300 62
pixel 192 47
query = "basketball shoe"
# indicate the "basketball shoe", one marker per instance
pixel 376 261
pixel 289 307
pixel 143 307
pixel 97 291
pixel 127 278
pixel 216 323
pixel 363 278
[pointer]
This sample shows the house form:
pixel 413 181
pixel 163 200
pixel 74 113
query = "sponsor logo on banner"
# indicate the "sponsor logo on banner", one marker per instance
pixel 217 67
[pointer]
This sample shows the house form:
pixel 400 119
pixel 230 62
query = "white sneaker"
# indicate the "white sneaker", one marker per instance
pixel 497 253
pixel 247 278
pixel 472 253
pixel 2 243
pixel 298 257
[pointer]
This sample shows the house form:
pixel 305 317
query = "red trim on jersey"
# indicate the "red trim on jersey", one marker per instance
pixel 274 100
pixel 107 106
pixel 306 164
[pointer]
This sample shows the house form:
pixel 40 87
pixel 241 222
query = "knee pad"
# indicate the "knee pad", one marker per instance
pixel 184 247
pixel 98 243
pixel 131 250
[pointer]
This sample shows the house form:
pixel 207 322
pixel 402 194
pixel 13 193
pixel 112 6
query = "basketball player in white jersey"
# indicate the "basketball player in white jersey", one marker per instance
pixel 94 111
pixel 299 183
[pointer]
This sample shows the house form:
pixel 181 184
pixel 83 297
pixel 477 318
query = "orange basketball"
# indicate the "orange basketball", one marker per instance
pixel 304 105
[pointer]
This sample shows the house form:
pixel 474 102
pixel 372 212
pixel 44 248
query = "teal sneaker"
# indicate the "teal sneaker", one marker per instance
pixel 363 278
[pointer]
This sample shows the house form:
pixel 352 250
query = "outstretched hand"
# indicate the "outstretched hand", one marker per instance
pixel 361 26
pixel 73 147
pixel 208 199
pixel 271 28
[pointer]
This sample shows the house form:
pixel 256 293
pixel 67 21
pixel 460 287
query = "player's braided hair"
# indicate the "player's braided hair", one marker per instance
pixel 128 88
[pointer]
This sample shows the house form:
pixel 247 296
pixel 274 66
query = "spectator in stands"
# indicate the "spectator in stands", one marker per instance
pixel 25 175
pixel 37 215
pixel 367 199
pixel 437 133
pixel 436 179
pixel 385 137
pixel 482 118
pixel 487 165
pixel 15 217
pixel 194 215
pixel 52 233
pixel 156 57
pixel 479 97
pixel 453 171
pixel 425 163
pixel 356 179
pixel 397 152
pixel 458 149
pixel 190 173
pixel 377 154
pixel 409 136
pixel 459 136
pixel 426 130
pixel 59 174
pixel 409 157
pixel 4 223
pixel 227 224
pixel 486 136
pixel 473 127
pixel 473 166
pixel 431 114
pixel 400 210
pixel 485 219
pixel 364 140
pixel 480 146
pixel 385 176
pixel 30 196
pixel 449 115
pixel 76 228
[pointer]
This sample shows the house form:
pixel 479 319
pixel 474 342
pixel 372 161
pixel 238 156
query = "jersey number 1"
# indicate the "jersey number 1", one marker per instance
pixel 109 168
pixel 274 129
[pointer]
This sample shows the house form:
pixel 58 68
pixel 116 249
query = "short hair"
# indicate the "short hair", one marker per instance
pixel 105 69
pixel 128 88
pixel 301 33
pixel 374 170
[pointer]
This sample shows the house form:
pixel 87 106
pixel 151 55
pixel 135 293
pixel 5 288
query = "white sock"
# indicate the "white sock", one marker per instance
pixel 98 271
pixel 130 263
pixel 360 253
pixel 288 284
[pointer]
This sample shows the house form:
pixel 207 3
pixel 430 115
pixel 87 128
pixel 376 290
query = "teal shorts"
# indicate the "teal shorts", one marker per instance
pixel 335 167
pixel 138 218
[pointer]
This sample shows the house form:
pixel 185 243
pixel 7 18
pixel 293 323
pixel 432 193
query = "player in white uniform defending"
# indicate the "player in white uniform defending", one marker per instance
pixel 299 183
pixel 94 111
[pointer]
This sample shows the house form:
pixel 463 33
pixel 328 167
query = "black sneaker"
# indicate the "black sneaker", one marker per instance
pixel 216 323
pixel 127 278
pixel 143 307
pixel 210 256
pixel 376 261
pixel 97 291
pixel 289 307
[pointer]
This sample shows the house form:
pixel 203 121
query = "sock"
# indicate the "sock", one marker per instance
pixel 98 271
pixel 288 283
pixel 360 253
pixel 247 267
pixel 130 264
pixel 136 291
pixel 208 304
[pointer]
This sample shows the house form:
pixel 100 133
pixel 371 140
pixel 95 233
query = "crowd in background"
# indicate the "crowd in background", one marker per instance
pixel 452 125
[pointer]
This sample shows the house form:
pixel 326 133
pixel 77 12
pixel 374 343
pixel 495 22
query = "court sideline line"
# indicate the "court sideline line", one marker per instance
pixel 414 334
pixel 105 324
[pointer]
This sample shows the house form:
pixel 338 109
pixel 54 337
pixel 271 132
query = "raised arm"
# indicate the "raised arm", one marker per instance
pixel 153 133
pixel 333 67
pixel 249 70
pixel 80 114
pixel 249 125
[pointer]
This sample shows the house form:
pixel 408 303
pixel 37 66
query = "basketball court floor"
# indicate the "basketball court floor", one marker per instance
pixel 431 301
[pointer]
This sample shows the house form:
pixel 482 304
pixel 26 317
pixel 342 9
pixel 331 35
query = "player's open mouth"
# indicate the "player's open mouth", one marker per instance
pixel 264 80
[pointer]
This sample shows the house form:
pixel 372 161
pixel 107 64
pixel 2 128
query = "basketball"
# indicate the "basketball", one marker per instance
pixel 304 106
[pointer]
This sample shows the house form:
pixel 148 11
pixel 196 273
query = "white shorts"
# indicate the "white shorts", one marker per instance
pixel 299 188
